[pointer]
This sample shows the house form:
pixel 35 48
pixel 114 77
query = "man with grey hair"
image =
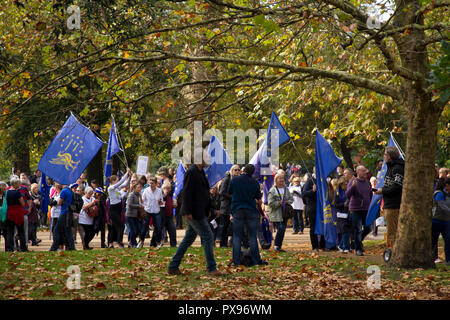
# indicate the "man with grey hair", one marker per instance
pixel 392 191
pixel 359 193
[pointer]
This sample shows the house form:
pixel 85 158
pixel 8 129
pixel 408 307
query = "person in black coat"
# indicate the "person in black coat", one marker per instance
pixel 392 191
pixel 309 196
pixel 225 205
pixel 195 207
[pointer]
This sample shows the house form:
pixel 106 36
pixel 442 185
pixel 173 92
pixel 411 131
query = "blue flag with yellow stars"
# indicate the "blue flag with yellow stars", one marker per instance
pixel 375 203
pixel 326 162
pixel 219 161
pixel 279 132
pixel 113 148
pixel 70 152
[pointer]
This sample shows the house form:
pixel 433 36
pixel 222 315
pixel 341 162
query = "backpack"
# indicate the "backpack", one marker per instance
pixel 4 209
pixel 246 258
pixel 77 203
pixel 266 242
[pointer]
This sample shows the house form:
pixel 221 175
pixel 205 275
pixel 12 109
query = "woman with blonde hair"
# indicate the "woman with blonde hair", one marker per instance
pixel 279 195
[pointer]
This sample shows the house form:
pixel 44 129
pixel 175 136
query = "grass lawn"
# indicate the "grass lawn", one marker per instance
pixel 142 274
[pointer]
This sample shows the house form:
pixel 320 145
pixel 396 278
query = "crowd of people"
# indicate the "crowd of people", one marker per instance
pixel 232 210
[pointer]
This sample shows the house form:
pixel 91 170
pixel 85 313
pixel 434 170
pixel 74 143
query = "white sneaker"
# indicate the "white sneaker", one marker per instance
pixel 346 251
pixel 340 250
pixel 159 245
pixel 140 244
pixel 437 260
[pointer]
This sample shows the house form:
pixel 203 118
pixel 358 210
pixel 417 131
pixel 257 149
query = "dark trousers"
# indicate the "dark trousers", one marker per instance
pixel 360 230
pixel 89 234
pixel 32 232
pixel 156 237
pixel 437 228
pixel 279 237
pixel 115 214
pixel 102 229
pixel 310 212
pixel 224 234
pixel 297 221
pixel 178 219
pixel 249 219
pixel 63 233
pixel 10 226
pixel 169 225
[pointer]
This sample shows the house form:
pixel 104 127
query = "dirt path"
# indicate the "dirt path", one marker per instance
pixel 294 242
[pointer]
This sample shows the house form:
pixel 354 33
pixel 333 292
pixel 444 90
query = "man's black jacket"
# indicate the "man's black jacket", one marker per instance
pixel 196 198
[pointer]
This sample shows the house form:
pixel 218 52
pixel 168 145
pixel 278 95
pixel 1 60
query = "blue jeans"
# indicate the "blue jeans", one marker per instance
pixel 440 227
pixel 281 229
pixel 250 219
pixel 358 224
pixel 344 244
pixel 156 237
pixel 194 228
pixel 63 227
pixel 133 229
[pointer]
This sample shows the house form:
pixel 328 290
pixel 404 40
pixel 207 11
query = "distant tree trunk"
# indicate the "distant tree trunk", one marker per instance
pixel 22 159
pixel 95 169
pixel 346 153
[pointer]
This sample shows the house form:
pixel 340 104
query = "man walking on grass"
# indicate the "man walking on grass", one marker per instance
pixel 195 206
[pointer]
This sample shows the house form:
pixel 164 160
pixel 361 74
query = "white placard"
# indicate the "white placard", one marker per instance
pixel 142 165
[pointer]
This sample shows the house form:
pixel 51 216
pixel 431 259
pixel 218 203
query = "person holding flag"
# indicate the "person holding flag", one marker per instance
pixel 326 162
pixel 64 224
pixel 392 191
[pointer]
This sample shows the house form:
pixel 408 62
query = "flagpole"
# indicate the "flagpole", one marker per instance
pixel 398 146
pixel 301 158
pixel 120 142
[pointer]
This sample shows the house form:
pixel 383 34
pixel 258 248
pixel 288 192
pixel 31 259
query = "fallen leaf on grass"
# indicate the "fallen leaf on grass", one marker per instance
pixel 100 286
pixel 48 293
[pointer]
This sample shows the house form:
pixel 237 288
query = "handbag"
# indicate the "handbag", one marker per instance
pixel 141 213
pixel 287 212
pixel 93 211
pixel 4 209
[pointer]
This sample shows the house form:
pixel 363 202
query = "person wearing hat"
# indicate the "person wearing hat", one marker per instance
pixel 298 205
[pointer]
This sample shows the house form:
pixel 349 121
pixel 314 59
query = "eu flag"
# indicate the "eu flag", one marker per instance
pixel 113 148
pixel 279 135
pixel 70 152
pixel 375 203
pixel 44 190
pixel 219 161
pixel 326 161
pixel 180 178
pixel 276 136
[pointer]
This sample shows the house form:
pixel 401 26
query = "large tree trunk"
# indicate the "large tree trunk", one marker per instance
pixel 412 247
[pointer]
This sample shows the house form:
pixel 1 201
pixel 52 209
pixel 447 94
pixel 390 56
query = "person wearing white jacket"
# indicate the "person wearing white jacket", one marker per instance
pixel 115 206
